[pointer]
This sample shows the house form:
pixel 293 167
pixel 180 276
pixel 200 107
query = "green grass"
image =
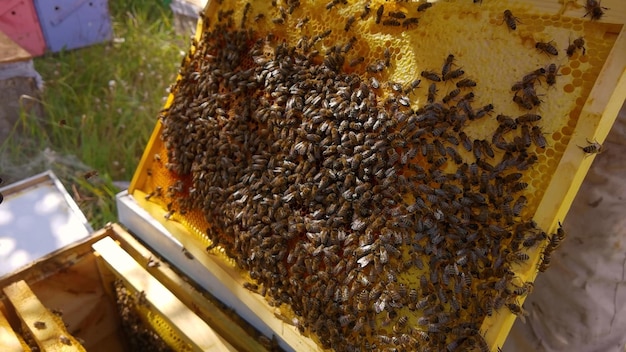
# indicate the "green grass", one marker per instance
pixel 101 105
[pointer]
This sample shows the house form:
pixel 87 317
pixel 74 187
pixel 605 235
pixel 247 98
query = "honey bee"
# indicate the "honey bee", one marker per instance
pixel 358 326
pixel 527 118
pixel 483 111
pixel 169 214
pixel 592 148
pixel 412 86
pixel 395 86
pixel 511 21
pixel 534 239
pixel 366 10
pixel 465 83
pixel 525 162
pixel 594 9
pixel 545 260
pixel 398 14
pixel 523 102
pixel 477 149
pixel 547 47
pixel 430 75
pixel 518 86
pixel 322 35
pixel 379 13
pixel 537 137
pixel 531 95
pixel 519 205
pixel 486 147
pixel 551 74
pixel 517 310
pixel 187 253
pixel 301 22
pixel 432 91
pixel 525 289
pixel 455 155
pixel 560 233
pixel 246 9
pixel 453 74
pixel 349 23
pixel 400 324
pixel 467 108
pixel 152 263
pixel 250 286
pixel 487 167
pixel 411 21
pixel 89 174
pixel 65 340
pixel 357 61
pixel 506 122
pixel 467 144
pixel 578 43
pixel 531 77
pixel 424 6
pixel 519 186
pixel 451 95
pixel 420 334
pixel 517 257
pixel 468 97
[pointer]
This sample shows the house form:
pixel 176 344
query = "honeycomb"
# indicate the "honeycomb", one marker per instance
pixel 324 149
pixel 145 329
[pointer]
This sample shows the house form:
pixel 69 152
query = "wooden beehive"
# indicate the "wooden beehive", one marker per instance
pixel 577 109
pixel 66 301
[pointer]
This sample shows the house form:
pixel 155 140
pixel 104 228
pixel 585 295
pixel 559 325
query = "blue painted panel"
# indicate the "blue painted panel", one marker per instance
pixel 71 24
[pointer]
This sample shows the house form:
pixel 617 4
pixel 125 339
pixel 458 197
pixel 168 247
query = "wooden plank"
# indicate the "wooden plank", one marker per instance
pixel 88 311
pixel 41 323
pixel 208 311
pixel 10 51
pixel 9 342
pixel 615 12
pixel 68 280
pixel 56 261
pixel 189 327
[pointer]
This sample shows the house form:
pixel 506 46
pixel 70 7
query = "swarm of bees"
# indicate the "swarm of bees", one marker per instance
pixel 381 224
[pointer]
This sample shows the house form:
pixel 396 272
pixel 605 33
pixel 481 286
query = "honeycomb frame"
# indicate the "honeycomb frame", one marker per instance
pixel 594 112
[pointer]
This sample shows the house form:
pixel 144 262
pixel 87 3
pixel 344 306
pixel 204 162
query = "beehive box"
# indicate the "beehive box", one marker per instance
pixel 110 293
pixel 19 21
pixel 324 149
pixel 74 24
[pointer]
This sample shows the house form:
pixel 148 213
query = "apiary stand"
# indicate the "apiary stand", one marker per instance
pixel 223 282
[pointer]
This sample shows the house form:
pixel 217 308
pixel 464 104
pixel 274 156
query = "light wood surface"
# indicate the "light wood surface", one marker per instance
pixel 10 51
pixel 9 342
pixel 45 328
pixel 186 325
pixel 68 282
pixel 208 311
